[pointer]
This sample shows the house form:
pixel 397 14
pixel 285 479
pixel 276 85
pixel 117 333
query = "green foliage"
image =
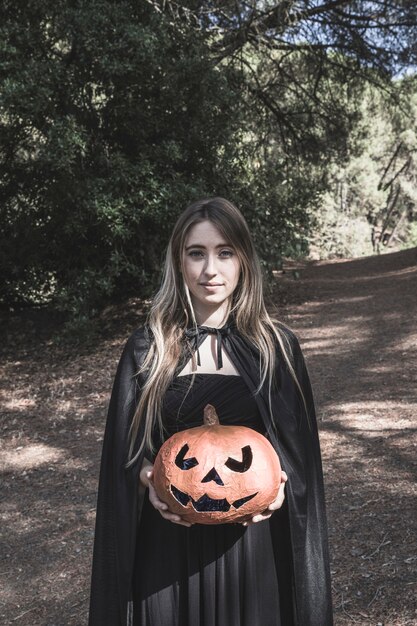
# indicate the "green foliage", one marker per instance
pixel 336 234
pixel 371 194
pixel 111 122
pixel 411 240
pixel 115 116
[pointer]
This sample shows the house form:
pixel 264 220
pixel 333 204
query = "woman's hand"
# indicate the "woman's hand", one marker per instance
pixel 146 478
pixel 276 504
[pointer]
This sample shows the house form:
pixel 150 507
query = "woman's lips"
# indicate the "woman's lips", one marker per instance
pixel 211 287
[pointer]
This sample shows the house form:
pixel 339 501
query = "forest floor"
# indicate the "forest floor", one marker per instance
pixel 356 321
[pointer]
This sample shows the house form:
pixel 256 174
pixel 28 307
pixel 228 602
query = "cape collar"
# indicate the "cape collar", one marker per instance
pixel 195 332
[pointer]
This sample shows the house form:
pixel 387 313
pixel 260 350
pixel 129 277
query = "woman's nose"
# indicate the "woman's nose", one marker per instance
pixel 210 265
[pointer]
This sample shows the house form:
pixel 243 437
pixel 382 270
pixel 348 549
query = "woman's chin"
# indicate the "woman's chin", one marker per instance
pixel 213 300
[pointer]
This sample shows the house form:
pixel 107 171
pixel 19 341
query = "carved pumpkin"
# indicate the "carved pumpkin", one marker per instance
pixel 214 474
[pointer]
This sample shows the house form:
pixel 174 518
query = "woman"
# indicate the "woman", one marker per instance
pixel 209 339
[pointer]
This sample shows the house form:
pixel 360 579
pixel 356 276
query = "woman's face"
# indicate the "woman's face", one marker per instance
pixel 209 260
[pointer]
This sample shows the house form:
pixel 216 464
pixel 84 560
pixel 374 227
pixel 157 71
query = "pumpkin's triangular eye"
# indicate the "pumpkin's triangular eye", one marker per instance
pixel 244 464
pixel 182 462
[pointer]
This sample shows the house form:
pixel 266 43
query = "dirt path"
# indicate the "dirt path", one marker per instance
pixel 356 323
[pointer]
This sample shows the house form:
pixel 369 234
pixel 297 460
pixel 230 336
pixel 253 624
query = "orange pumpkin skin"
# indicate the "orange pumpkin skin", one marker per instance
pixel 216 474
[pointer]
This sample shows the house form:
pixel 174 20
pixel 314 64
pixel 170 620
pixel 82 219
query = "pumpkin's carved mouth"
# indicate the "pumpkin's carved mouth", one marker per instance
pixel 205 503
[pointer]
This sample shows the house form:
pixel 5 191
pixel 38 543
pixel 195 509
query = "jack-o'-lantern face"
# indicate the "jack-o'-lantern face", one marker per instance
pixel 217 474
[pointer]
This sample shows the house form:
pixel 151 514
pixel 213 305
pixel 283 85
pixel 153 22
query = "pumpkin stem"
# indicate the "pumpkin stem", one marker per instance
pixel 210 416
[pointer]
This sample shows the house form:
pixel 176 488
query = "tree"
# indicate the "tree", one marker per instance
pixel 372 193
pixel 322 38
pixel 111 120
pixel 114 116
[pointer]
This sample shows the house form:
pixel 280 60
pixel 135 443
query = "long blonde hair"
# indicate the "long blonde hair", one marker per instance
pixel 172 309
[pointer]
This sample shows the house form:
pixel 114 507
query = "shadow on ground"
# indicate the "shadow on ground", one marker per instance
pixel 356 323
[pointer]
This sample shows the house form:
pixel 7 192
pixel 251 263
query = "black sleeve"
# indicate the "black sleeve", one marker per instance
pixel 117 498
pixel 315 592
pixel 305 384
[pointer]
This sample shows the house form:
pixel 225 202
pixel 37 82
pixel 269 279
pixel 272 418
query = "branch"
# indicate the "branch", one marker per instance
pixel 279 18
pixel 384 173
pixel 400 171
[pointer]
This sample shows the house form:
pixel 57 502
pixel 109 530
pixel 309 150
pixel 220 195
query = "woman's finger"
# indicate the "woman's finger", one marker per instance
pixel 276 504
pixel 175 519
pixel 154 500
pixel 163 509
pixel 279 500
pixel 260 517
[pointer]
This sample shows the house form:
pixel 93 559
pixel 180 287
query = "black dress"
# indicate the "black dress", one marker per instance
pixel 211 575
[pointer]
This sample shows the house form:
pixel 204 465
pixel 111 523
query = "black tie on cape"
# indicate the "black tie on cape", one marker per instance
pixel 202 331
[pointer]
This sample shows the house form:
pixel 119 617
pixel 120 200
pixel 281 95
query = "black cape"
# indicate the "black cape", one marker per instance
pixel 120 500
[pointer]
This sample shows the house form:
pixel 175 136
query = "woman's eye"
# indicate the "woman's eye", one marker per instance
pixel 224 254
